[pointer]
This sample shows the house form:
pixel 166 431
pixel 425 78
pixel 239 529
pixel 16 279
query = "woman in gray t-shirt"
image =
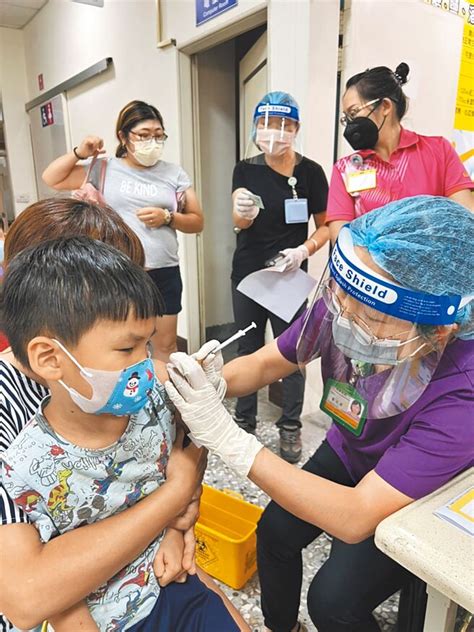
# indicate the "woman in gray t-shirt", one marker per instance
pixel 154 197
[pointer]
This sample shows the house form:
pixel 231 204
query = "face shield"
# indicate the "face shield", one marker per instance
pixel 379 343
pixel 274 132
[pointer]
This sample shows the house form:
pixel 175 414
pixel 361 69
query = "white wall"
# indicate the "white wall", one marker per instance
pixel 14 95
pixel 385 33
pixel 67 37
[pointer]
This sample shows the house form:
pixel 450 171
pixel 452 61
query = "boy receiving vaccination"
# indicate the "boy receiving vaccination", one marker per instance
pixel 80 314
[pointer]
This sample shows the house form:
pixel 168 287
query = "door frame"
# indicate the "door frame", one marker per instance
pixel 193 257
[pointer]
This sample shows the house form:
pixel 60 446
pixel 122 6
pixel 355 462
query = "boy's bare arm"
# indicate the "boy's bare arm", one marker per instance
pixel 76 618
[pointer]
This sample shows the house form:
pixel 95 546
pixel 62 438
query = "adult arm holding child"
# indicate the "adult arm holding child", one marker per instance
pixel 35 581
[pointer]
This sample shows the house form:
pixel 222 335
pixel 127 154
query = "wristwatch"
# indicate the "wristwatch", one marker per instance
pixel 168 217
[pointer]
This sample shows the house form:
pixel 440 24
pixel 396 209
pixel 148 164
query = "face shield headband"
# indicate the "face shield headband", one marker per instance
pixel 274 130
pixel 390 298
pixel 274 109
pixel 388 360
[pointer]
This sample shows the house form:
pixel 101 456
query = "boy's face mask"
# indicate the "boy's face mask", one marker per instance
pixel 122 392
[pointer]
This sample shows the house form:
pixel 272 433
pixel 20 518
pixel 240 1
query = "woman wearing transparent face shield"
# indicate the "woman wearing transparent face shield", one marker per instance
pixel 389 162
pixel 154 197
pixel 393 324
pixel 276 190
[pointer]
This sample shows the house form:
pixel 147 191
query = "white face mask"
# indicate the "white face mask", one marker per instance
pixel 274 142
pixel 147 152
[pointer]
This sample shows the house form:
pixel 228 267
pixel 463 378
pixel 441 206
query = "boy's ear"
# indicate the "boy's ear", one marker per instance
pixel 45 358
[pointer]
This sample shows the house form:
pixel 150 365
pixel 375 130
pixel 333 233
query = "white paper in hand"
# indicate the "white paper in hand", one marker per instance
pixel 282 293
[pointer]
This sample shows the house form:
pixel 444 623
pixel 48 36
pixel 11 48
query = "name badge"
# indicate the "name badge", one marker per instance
pixel 296 211
pixel 361 180
pixel 344 404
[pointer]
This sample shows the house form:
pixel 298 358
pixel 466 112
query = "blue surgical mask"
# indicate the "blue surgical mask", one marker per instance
pixel 383 353
pixel 122 392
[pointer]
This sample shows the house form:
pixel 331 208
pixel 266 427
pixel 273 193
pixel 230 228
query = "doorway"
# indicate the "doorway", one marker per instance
pixel 230 78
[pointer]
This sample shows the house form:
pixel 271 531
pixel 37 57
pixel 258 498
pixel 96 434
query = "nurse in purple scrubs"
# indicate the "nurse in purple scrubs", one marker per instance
pixel 393 324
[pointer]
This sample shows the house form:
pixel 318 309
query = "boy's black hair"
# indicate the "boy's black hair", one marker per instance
pixel 62 287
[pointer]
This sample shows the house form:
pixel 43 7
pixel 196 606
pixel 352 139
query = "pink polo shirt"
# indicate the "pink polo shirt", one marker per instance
pixel 421 165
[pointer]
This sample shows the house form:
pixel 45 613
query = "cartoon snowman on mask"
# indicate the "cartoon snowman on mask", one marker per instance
pixel 131 388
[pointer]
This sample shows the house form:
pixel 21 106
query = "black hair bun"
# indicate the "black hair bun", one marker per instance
pixel 401 73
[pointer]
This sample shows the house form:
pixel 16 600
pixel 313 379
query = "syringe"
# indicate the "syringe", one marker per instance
pixel 236 336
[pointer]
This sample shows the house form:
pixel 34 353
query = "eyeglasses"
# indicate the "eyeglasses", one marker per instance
pixel 160 137
pixel 359 328
pixel 348 118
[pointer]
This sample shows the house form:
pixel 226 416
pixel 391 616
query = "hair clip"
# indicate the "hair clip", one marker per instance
pixel 398 78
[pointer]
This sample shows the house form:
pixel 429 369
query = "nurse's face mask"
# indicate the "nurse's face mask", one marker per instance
pixel 378 340
pixel 275 141
pixel 274 132
pixel 360 131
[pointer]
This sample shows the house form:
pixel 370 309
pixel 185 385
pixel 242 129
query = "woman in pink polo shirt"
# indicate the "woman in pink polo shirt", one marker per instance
pixel 389 161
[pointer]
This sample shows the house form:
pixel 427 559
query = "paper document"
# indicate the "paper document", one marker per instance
pixel 460 511
pixel 282 293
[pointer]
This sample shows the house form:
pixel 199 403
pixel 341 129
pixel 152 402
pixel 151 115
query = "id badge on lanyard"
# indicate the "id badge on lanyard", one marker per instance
pixel 296 209
pixel 344 404
pixel 359 177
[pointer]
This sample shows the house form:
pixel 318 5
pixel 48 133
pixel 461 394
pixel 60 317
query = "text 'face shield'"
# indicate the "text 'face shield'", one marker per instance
pixel 274 130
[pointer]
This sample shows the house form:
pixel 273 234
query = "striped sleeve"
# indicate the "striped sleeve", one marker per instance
pixel 20 398
pixel 5 625
pixel 10 513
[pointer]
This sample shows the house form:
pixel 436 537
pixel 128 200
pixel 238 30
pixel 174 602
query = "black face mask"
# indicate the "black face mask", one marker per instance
pixel 362 133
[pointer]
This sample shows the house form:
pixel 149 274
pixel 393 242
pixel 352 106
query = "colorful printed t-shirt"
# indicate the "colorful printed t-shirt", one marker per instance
pixel 61 487
pixel 421 449
pixel 421 165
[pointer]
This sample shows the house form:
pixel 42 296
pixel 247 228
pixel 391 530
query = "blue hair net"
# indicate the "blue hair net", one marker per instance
pixel 425 243
pixel 276 97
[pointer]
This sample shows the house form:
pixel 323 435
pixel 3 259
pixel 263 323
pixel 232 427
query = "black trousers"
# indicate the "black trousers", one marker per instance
pixel 246 311
pixel 353 581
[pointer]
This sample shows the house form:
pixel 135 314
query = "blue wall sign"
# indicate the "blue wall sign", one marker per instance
pixel 208 9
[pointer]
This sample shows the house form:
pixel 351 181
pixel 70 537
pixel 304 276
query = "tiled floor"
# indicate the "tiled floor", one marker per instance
pixel 219 476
